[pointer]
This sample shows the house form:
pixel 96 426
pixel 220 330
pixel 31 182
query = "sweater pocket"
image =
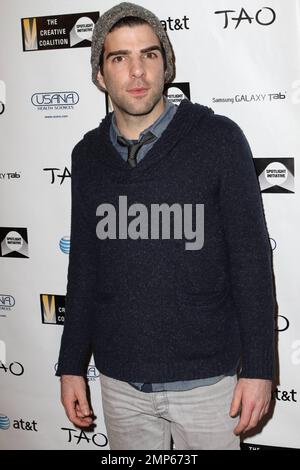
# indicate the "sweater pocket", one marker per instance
pixel 205 300
pixel 200 282
pixel 203 325
pixel 204 318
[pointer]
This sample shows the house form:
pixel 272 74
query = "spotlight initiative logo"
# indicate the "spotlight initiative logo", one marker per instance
pixel 13 242
pixel 275 175
pixel 176 92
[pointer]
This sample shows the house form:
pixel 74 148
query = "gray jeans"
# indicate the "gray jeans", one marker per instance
pixel 195 419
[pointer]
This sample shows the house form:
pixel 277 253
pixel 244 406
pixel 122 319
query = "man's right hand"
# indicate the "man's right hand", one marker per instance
pixel 74 400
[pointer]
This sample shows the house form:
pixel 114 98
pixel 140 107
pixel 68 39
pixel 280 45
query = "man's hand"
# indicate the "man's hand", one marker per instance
pixel 74 400
pixel 252 397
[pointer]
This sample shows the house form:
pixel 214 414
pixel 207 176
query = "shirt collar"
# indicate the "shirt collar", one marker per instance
pixel 156 128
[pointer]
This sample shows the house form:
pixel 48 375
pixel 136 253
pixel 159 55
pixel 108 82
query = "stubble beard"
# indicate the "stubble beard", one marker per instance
pixel 139 106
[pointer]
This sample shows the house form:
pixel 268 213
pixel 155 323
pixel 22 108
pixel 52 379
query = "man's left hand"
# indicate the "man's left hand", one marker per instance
pixel 252 398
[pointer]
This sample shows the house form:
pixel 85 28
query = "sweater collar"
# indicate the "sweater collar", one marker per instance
pixel 185 117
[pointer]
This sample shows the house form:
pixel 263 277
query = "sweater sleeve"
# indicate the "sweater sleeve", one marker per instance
pixel 75 349
pixel 249 256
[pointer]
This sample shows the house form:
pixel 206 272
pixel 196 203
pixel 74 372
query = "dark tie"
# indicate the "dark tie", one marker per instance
pixel 134 148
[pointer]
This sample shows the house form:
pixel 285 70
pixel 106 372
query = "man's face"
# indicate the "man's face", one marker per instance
pixel 133 69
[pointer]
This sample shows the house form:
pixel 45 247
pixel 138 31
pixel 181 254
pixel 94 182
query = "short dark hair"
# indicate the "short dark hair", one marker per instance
pixel 129 21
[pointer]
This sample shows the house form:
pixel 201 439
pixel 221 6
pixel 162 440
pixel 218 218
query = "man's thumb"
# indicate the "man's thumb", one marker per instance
pixel 84 406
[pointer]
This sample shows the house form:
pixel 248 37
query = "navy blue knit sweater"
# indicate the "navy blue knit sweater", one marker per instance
pixel 148 308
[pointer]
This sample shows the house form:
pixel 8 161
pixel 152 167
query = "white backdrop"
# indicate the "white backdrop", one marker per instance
pixel 244 64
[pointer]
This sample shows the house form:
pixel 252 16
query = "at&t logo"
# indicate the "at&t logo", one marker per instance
pixel 64 245
pixel 4 422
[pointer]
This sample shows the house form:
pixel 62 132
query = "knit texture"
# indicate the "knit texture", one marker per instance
pixel 148 309
pixel 111 17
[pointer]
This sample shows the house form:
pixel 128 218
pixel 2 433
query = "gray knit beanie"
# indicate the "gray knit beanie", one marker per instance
pixel 111 17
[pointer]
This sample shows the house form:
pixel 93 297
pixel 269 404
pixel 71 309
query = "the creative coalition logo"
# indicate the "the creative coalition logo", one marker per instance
pixel 58 175
pixel 13 242
pixel 2 97
pixel 108 104
pixel 275 175
pixel 64 245
pixel 7 302
pixel 176 92
pixel 263 17
pixel 9 176
pixel 247 446
pixel 59 31
pixel 19 424
pixel 250 98
pixel 55 101
pixel 53 309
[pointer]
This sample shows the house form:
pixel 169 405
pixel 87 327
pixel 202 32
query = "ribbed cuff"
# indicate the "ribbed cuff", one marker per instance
pixel 260 365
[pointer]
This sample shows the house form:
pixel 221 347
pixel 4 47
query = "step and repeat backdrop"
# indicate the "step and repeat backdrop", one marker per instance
pixel 239 57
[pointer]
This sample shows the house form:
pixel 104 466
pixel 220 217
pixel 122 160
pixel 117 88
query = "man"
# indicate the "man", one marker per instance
pixel 170 279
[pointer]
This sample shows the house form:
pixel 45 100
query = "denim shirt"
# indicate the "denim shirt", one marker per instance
pixel 157 128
